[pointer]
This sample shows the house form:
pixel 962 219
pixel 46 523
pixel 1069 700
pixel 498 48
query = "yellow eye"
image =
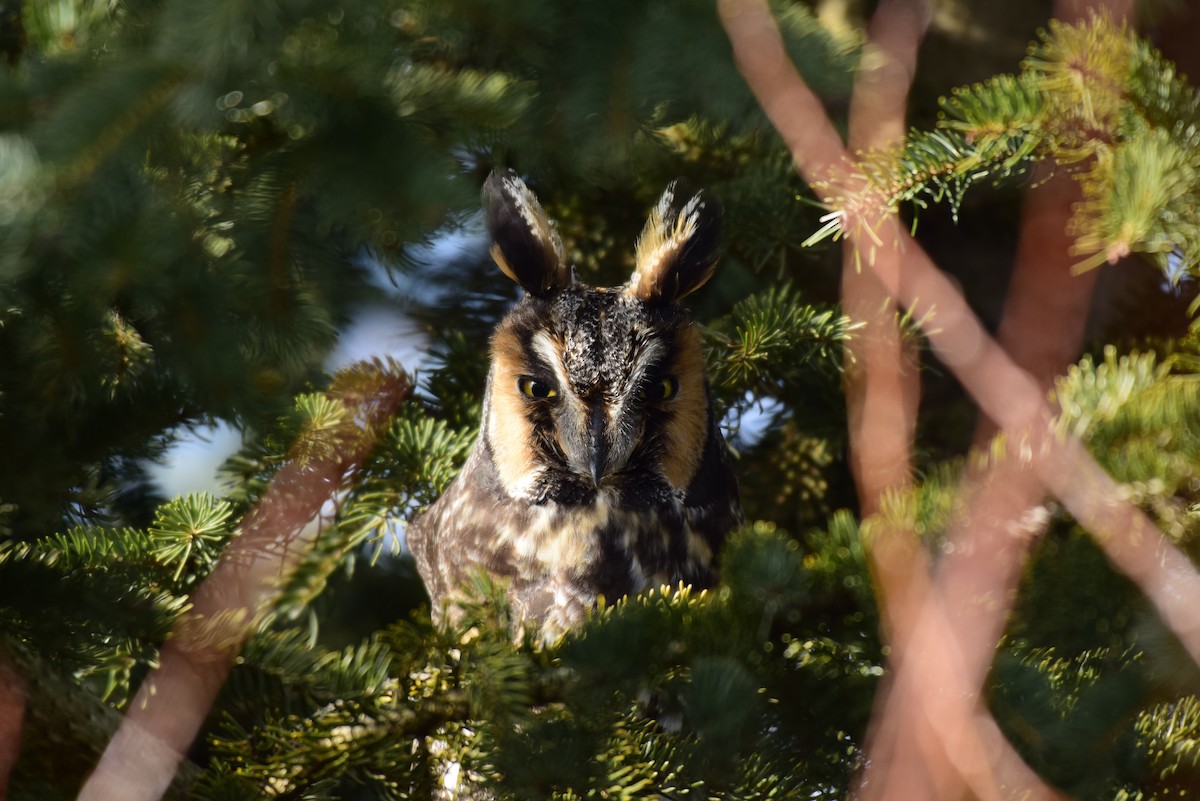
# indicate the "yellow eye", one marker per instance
pixel 663 389
pixel 532 388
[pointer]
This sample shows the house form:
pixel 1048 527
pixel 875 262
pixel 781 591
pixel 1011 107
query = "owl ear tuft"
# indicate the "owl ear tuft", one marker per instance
pixel 677 250
pixel 525 245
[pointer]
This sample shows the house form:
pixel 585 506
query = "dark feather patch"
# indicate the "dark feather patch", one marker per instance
pixel 524 243
pixel 677 250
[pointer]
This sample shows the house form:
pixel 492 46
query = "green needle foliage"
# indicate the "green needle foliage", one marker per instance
pixel 1092 99
pixel 195 198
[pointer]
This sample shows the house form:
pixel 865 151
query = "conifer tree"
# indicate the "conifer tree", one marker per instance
pixel 194 199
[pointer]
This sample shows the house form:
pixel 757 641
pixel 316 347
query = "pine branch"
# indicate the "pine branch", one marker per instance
pixel 415 463
pixel 772 342
pixel 1137 416
pixel 1169 733
pixel 97 602
pixel 1076 710
pixel 1092 98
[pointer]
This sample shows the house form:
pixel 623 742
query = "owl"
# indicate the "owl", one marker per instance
pixel 599 470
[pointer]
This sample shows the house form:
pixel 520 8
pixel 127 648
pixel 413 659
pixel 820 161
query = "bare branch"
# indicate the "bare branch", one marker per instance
pixel 173 701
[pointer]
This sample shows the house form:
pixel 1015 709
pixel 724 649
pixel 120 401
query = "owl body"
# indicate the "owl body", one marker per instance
pixel 600 469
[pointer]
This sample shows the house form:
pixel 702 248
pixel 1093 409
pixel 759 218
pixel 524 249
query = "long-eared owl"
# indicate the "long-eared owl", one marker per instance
pixel 599 469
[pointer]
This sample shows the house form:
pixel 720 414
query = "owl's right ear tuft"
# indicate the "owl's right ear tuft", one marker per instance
pixel 525 245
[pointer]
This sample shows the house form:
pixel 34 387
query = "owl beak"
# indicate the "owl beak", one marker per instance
pixel 599 462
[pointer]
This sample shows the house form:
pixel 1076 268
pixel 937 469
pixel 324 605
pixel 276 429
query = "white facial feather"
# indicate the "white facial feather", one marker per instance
pixel 544 346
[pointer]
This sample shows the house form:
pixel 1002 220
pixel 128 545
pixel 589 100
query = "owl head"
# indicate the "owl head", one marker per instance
pixel 599 391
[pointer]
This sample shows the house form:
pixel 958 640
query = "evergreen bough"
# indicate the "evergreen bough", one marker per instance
pixel 1093 99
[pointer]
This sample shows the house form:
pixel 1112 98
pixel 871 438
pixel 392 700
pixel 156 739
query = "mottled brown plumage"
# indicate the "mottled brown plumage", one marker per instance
pixel 599 469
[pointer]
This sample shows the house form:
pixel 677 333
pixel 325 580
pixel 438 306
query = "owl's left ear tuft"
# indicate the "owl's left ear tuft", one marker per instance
pixel 677 250
pixel 524 243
